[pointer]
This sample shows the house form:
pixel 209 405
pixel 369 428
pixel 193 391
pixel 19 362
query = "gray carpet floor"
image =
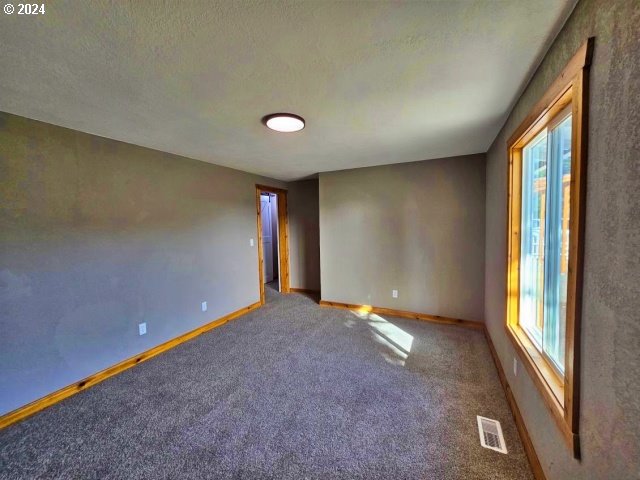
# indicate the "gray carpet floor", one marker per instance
pixel 289 391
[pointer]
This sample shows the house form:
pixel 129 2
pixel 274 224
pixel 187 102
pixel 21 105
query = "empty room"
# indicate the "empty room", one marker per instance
pixel 320 239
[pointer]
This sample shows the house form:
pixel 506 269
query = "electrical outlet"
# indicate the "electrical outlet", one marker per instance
pixel 515 366
pixel 394 293
pixel 142 328
pixel 204 306
pixel 251 242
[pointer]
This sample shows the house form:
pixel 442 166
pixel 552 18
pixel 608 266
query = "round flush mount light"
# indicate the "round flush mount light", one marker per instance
pixel 284 122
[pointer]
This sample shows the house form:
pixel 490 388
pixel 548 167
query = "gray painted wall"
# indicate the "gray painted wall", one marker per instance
pixel 415 227
pixel 610 393
pixel 98 235
pixel 304 232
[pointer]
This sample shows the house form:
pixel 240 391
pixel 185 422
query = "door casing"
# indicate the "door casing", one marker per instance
pixel 283 239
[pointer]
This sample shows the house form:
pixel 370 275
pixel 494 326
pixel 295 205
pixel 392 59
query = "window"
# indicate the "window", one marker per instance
pixel 547 161
pixel 546 175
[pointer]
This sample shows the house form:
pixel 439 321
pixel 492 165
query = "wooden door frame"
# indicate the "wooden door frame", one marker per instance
pixel 283 239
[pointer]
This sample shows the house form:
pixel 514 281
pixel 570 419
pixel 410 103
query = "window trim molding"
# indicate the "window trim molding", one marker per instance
pixel 570 87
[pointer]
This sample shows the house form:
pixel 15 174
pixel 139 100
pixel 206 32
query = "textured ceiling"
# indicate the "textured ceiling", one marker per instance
pixel 378 82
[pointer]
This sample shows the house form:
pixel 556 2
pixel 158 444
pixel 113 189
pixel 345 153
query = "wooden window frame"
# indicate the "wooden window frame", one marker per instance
pixel 560 394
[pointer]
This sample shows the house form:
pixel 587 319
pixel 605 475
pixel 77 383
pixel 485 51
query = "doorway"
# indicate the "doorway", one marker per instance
pixel 273 238
pixel 269 220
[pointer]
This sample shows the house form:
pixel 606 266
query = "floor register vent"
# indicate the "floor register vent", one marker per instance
pixel 491 434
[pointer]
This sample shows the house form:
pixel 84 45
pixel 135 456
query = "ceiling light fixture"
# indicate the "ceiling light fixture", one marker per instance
pixel 284 122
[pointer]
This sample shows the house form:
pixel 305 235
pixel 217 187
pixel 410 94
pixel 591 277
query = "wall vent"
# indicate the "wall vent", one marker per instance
pixel 491 434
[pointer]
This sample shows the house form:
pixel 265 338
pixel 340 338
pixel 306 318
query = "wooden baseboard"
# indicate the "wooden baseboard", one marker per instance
pixel 48 400
pixel 405 314
pixel 305 290
pixel 534 461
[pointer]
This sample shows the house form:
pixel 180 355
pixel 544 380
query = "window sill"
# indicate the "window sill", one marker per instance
pixel 545 378
pixel 552 384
